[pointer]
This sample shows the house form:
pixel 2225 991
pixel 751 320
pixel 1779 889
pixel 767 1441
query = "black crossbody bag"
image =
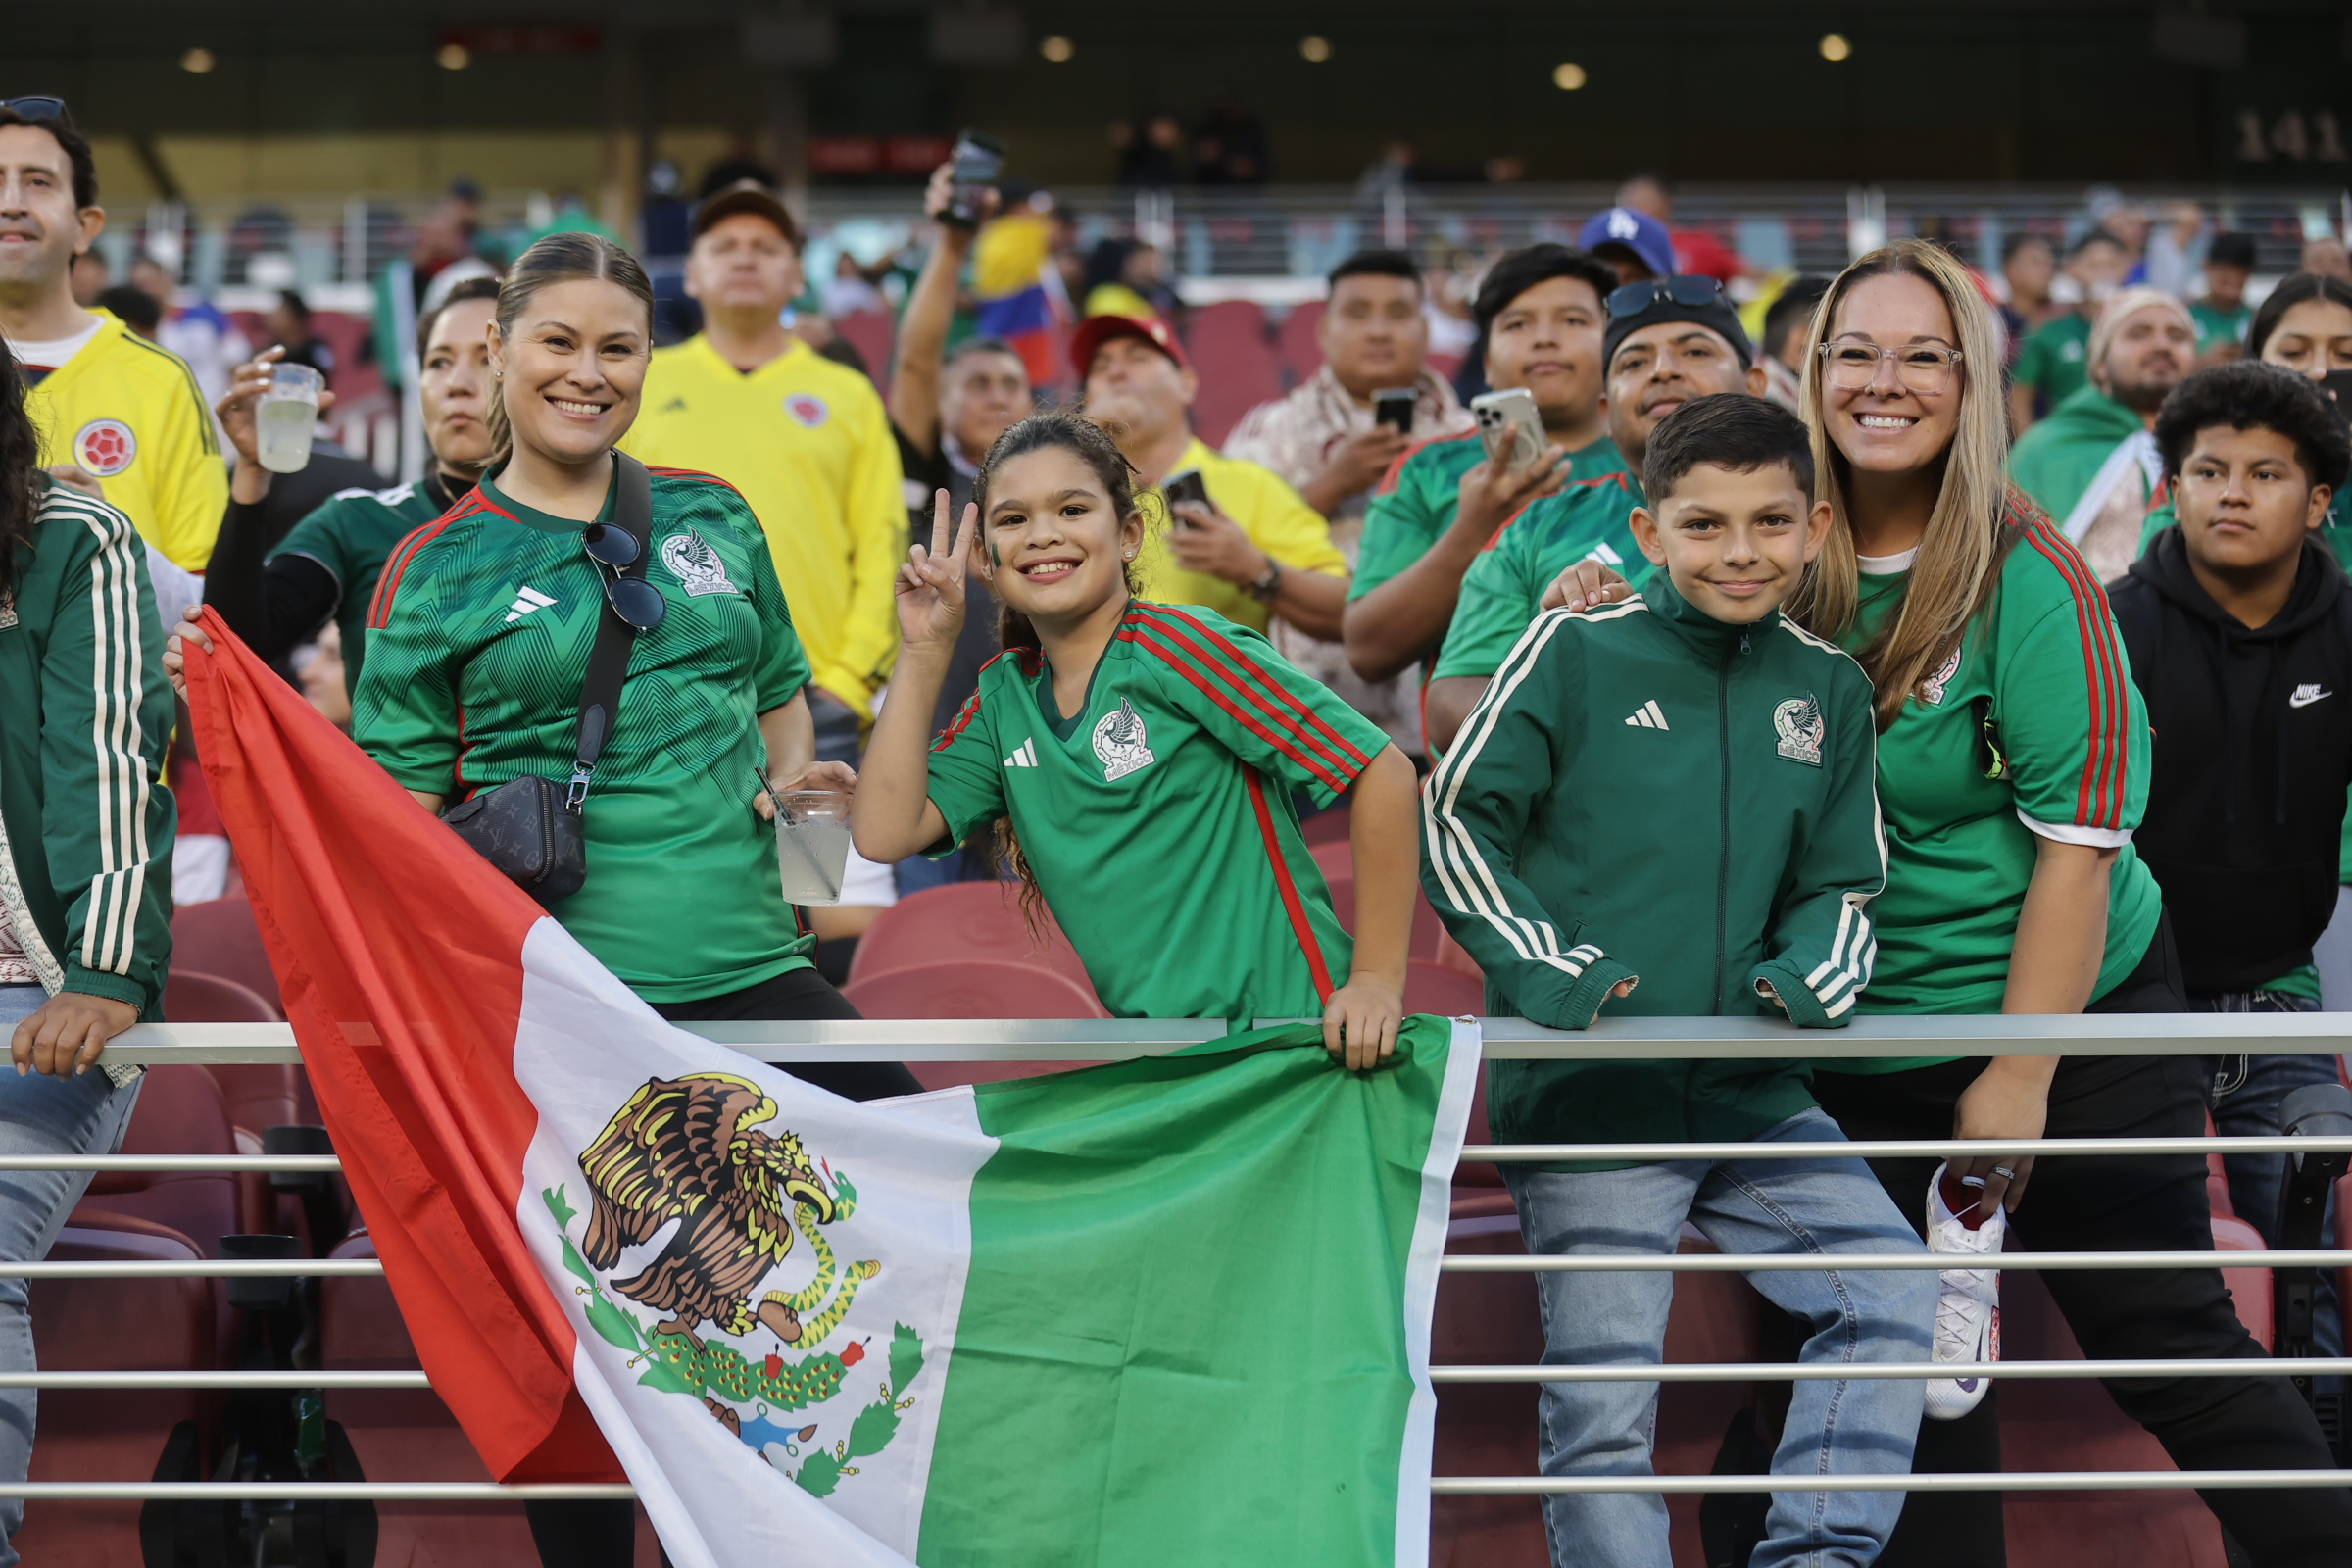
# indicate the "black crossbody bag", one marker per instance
pixel 531 829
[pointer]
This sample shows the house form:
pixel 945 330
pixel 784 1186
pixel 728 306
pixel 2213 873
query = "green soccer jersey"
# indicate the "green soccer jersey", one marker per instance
pixel 1504 589
pixel 1417 499
pixel 2053 358
pixel 349 536
pixel 2216 327
pixel 1159 821
pixel 2031 729
pixel 478 639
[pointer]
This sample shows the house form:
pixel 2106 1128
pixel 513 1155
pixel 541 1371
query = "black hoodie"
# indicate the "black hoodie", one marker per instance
pixel 2253 748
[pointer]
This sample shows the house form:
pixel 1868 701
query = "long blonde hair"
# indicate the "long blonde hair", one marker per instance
pixel 1967 536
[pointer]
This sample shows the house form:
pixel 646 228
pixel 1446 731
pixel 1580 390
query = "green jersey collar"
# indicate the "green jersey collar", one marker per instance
pixel 532 517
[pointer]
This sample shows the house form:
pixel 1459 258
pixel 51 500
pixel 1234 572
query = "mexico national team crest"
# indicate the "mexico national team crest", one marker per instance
pixel 1932 687
pixel 105 447
pixel 808 409
pixel 1121 743
pixel 732 1318
pixel 1800 724
pixel 691 560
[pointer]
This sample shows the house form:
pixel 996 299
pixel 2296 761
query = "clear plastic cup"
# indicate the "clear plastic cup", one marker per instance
pixel 287 415
pixel 812 843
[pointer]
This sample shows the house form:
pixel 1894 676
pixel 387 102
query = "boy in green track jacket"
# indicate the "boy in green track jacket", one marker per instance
pixel 1739 883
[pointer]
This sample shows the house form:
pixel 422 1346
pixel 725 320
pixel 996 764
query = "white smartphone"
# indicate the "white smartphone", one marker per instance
pixel 1509 426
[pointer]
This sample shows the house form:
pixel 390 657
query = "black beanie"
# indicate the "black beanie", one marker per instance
pixel 1717 316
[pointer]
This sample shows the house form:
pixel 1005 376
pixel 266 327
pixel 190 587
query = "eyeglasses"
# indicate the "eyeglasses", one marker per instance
pixel 638 603
pixel 42 108
pixel 1924 368
pixel 1688 290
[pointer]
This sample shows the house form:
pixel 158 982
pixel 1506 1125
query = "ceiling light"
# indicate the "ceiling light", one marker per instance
pixel 1834 46
pixel 454 57
pixel 197 61
pixel 1056 48
pixel 1314 49
pixel 1568 77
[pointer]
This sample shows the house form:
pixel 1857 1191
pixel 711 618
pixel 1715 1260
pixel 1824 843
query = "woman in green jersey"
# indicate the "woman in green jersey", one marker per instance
pixel 1136 763
pixel 2012 769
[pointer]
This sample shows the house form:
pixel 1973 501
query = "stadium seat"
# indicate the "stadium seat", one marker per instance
pixel 966 920
pixel 1451 954
pixel 973 988
pixel 869 332
pixel 1295 344
pixel 221 938
pixel 111 1325
pixel 1235 364
pixel 259 1096
pixel 1429 931
pixel 1331 826
pixel 1431 988
pixel 180 1111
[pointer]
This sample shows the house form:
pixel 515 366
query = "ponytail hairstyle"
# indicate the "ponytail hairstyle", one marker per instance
pixel 1095 447
pixel 1969 533
pixel 557 259
pixel 22 480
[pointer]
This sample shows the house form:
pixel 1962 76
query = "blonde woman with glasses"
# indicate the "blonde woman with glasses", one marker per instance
pixel 2013 757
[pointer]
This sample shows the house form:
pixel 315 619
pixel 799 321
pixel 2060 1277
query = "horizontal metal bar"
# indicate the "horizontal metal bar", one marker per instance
pixel 1893 1371
pixel 1809 1262
pixel 1896 1148
pixel 2004 1481
pixel 172 1378
pixel 2154 1034
pixel 229 1268
pixel 311 1492
pixel 178 1164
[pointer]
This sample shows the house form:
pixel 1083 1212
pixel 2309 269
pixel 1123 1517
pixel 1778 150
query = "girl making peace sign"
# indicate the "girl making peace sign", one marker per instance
pixel 1137 762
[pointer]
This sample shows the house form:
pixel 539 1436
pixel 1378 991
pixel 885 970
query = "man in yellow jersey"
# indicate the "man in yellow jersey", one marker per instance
pixel 1257 549
pixel 804 439
pixel 104 399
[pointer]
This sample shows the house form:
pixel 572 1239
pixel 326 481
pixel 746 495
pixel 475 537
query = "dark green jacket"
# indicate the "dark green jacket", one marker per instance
pixel 1645 793
pixel 86 824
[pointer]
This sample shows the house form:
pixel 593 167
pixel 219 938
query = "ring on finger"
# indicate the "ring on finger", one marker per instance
pixel 2005 1172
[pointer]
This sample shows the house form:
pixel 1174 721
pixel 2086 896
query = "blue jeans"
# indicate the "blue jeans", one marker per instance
pixel 39 1115
pixel 2243 1093
pixel 1862 1426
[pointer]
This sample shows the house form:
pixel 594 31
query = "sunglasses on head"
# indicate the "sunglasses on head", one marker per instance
pixel 40 108
pixel 1688 290
pixel 638 603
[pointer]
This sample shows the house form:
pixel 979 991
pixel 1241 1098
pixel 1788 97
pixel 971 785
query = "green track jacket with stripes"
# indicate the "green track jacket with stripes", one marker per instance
pixel 1645 793
pixel 85 824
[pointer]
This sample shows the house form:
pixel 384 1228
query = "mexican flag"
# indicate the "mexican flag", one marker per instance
pixel 1171 1310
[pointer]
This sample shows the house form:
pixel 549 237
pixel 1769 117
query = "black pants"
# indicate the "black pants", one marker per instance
pixel 603 1535
pixel 2125 1203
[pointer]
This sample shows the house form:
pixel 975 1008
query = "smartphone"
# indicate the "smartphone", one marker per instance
pixel 2337 384
pixel 1185 485
pixel 1509 426
pixel 1394 405
pixel 976 161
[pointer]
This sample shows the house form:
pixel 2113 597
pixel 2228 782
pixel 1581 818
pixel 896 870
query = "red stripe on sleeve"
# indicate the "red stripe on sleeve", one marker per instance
pixel 1236 664
pixel 1321 768
pixel 2098 798
pixel 379 607
pixel 1388 480
pixel 1292 904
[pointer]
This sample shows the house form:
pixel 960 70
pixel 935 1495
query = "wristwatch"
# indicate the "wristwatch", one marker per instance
pixel 1266 587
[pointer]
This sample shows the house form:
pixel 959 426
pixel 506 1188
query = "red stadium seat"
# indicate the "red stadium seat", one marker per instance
pixel 973 988
pixel 966 920
pixel 1429 931
pixel 221 938
pixel 180 1111
pixel 1431 988
pixel 1331 826
pixel 259 1096
pixel 112 1326
pixel 1451 954
pixel 1295 344
pixel 1236 366
pixel 869 332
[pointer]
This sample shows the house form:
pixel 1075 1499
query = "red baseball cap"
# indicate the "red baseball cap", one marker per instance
pixel 1095 330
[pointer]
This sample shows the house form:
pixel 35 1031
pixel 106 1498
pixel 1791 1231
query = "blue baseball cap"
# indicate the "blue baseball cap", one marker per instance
pixel 1630 230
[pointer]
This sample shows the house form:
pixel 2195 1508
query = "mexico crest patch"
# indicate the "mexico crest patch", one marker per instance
pixel 691 560
pixel 1801 729
pixel 1121 743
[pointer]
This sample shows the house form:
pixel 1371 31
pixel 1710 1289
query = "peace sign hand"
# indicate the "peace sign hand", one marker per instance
pixel 931 584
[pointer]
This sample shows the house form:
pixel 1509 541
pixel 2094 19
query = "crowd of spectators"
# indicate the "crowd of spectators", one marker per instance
pixel 2134 398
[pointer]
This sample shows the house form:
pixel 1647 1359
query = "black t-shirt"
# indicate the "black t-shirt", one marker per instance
pixel 928 473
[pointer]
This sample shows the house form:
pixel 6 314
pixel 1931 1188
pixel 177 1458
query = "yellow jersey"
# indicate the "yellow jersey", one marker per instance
pixel 805 441
pixel 131 413
pixel 1275 517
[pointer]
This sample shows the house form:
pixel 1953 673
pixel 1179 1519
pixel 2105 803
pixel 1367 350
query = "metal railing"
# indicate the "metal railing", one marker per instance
pixel 1092 1040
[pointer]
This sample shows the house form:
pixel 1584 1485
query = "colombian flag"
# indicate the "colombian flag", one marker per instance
pixel 1010 263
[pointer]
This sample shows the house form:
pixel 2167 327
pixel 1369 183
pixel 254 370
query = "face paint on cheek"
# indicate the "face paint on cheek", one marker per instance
pixel 995 562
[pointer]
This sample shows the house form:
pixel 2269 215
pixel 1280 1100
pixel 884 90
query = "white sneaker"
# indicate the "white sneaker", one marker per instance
pixel 1967 1311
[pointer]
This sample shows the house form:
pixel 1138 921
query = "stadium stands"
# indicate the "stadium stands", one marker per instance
pixel 1236 364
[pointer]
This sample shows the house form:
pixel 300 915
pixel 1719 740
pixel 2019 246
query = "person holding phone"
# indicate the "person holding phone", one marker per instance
pixel 1539 312
pixel 1246 545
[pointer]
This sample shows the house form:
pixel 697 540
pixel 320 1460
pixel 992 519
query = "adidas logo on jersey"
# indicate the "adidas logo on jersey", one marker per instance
pixel 1024 755
pixel 1649 717
pixel 527 601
